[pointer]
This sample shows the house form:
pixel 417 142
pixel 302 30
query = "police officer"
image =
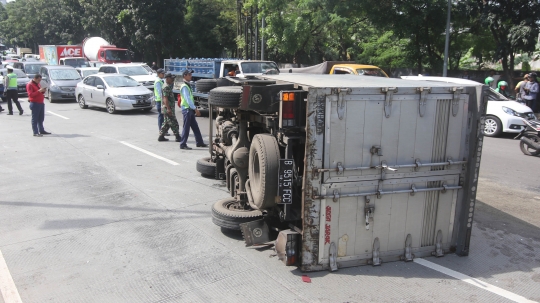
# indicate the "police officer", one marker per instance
pixel 168 109
pixel 10 90
pixel 188 112
pixel 158 95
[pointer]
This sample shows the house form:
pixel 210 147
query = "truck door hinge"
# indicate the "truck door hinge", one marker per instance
pixel 336 196
pixel 455 101
pixel 423 96
pixel 332 257
pixel 368 211
pixel 438 246
pixel 339 168
pixel 376 259
pixel 388 99
pixel 408 255
pixel 341 101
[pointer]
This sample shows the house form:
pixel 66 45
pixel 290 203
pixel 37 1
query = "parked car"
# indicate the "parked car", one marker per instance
pixel 22 80
pixel 60 81
pixel 30 68
pixel 502 114
pixel 8 62
pixel 97 64
pixel 114 92
pixel 134 70
pixel 87 71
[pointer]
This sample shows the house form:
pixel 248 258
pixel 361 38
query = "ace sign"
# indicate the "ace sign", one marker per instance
pixel 69 51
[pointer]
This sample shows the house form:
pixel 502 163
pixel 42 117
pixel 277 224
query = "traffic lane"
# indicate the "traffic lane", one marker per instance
pixel 509 180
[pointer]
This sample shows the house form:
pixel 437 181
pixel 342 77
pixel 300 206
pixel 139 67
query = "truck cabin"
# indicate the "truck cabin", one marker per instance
pixel 113 55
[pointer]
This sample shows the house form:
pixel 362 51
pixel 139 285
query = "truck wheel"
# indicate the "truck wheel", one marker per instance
pixel 206 167
pixel 233 183
pixel 224 82
pixel 205 85
pixel 226 96
pixel 263 170
pixel 227 213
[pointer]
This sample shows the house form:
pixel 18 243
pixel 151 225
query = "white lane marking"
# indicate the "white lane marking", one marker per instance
pixel 7 286
pixel 480 284
pixel 57 115
pixel 149 153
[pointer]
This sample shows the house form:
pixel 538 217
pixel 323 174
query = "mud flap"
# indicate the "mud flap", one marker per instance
pixel 220 169
pixel 255 232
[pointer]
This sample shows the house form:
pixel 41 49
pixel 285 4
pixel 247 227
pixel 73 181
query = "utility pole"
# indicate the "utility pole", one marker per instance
pixel 447 42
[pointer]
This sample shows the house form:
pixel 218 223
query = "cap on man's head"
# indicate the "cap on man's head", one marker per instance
pixel 9 67
pixel 169 75
pixel 187 72
pixel 160 71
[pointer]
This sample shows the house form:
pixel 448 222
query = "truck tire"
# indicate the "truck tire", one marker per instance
pixel 223 82
pixel 206 167
pixel 263 170
pixel 225 97
pixel 225 215
pixel 205 85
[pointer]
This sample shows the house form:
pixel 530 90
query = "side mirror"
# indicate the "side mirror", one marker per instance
pixel 99 87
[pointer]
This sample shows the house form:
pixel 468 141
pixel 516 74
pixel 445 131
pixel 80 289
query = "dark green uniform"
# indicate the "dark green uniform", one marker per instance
pixel 169 121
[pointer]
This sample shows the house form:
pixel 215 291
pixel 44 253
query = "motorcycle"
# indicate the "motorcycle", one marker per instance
pixel 530 138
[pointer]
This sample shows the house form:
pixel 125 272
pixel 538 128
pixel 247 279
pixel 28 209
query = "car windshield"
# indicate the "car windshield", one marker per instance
pixel 79 62
pixel 120 81
pixel 258 67
pixel 495 96
pixel 132 70
pixel 148 69
pixel 377 72
pixel 64 74
pixel 17 72
pixel 116 55
pixel 32 68
pixel 86 73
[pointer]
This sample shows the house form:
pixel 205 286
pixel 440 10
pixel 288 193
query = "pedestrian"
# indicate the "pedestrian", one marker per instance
pixel 154 66
pixel 529 91
pixel 168 109
pixel 37 106
pixel 158 96
pixel 517 89
pixel 189 111
pixel 11 91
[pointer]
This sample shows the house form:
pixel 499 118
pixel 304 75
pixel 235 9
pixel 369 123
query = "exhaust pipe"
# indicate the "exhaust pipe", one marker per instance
pixel 530 143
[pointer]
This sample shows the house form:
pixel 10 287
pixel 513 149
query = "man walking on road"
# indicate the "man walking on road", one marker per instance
pixel 35 97
pixel 10 90
pixel 189 111
pixel 168 109
pixel 530 91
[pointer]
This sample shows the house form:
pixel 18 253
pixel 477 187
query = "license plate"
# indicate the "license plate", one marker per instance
pixel 285 181
pixel 22 89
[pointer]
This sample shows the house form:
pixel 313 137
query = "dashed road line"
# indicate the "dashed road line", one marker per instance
pixel 8 290
pixel 57 115
pixel 480 284
pixel 149 153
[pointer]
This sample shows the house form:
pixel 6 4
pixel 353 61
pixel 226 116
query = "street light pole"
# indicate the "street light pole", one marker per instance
pixel 447 42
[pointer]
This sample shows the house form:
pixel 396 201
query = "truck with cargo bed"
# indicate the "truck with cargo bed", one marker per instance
pixel 347 170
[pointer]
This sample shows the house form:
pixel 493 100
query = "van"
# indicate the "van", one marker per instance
pixel 60 81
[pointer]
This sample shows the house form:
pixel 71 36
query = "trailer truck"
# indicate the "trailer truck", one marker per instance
pixel 347 170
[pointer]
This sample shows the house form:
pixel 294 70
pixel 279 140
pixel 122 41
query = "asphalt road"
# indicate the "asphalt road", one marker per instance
pixel 88 215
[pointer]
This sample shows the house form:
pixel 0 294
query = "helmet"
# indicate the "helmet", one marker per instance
pixel 9 67
pixel 502 83
pixel 489 80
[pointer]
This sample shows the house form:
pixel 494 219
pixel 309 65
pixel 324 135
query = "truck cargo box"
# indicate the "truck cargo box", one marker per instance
pixel 391 168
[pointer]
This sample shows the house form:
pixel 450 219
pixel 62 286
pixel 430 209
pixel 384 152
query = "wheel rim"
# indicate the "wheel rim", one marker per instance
pixel 233 205
pixel 110 106
pixel 81 102
pixel 490 126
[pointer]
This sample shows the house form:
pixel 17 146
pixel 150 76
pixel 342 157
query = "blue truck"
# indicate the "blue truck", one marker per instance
pixel 208 72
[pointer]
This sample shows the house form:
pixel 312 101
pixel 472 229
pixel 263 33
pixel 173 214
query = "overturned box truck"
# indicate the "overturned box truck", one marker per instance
pixel 347 170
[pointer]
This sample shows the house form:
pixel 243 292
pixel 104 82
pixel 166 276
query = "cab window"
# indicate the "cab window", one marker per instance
pixel 99 82
pixel 342 71
pixel 89 81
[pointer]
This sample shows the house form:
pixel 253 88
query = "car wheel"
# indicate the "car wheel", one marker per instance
pixel 49 96
pixel 492 126
pixel 111 109
pixel 82 102
pixel 228 213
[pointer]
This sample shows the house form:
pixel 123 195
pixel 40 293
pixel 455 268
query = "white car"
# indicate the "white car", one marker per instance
pixel 114 92
pixel 502 114
pixel 87 71
pixel 134 70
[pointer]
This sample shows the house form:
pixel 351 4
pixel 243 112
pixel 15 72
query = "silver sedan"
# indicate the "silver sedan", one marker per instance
pixel 114 92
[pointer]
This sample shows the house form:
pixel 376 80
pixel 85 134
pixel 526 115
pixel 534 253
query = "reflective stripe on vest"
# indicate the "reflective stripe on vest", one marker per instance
pixel 184 102
pixel 157 95
pixel 12 82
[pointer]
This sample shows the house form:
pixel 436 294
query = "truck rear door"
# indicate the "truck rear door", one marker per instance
pixel 387 165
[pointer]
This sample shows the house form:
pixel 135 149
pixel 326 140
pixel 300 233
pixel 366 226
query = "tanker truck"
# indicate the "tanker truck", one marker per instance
pixel 98 49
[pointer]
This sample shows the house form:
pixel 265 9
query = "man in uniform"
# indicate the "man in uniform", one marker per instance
pixel 11 91
pixel 188 112
pixel 168 108
pixel 158 95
